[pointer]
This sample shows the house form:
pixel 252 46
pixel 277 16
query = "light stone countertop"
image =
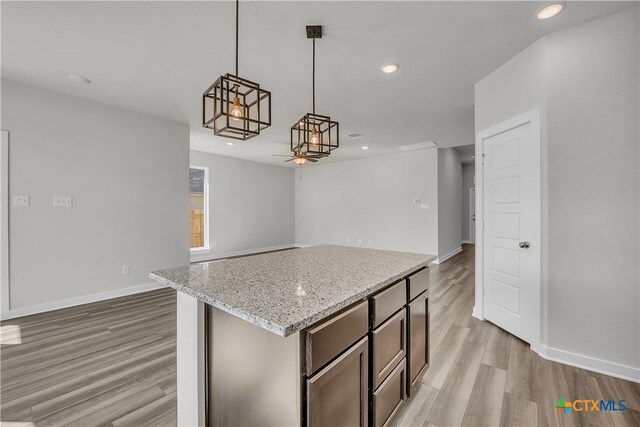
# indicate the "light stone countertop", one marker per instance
pixel 287 291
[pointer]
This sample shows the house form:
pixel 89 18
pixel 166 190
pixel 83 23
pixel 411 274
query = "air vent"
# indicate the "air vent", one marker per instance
pixel 355 135
pixel 418 146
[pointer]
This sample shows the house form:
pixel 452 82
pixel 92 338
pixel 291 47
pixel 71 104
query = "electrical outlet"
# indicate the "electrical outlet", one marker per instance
pixel 425 206
pixel 62 201
pixel 125 270
pixel 359 242
pixel 348 240
pixel 21 200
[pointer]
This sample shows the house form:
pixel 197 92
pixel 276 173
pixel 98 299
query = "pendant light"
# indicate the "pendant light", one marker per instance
pixel 235 107
pixel 314 135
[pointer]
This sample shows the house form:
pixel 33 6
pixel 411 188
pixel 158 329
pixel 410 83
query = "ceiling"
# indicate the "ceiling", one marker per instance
pixel 158 58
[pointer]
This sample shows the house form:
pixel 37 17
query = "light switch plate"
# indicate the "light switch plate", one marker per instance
pixel 21 200
pixel 62 201
pixel 425 206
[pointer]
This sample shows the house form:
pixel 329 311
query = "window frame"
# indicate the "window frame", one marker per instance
pixel 206 248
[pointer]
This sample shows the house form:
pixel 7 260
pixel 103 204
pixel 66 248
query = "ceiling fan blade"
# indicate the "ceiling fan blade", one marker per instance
pixel 312 160
pixel 289 160
pixel 281 155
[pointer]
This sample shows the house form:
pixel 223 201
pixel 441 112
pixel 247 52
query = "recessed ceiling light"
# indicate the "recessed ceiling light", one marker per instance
pixel 231 143
pixel 79 79
pixel 549 10
pixel 389 68
pixel 364 147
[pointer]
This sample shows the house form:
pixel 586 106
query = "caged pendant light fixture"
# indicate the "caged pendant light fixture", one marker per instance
pixel 234 107
pixel 314 135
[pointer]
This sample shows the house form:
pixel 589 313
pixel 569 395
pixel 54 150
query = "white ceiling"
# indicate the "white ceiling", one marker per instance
pixel 158 58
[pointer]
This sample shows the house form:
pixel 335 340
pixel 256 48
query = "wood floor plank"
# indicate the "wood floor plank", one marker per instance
pixel 444 356
pixel 416 413
pixel 451 402
pixel 517 411
pixel 498 348
pixel 147 413
pixel 485 403
pixel 479 332
pixel 520 377
pixel 119 406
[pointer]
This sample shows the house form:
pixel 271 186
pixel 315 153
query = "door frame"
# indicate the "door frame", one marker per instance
pixel 531 117
pixel 472 225
pixel 4 224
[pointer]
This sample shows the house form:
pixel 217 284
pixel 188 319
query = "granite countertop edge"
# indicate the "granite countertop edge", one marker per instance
pixel 286 330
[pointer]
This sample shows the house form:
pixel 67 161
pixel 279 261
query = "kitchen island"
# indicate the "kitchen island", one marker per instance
pixel 324 335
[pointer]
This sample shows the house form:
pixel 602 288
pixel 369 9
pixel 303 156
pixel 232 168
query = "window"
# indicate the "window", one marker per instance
pixel 199 208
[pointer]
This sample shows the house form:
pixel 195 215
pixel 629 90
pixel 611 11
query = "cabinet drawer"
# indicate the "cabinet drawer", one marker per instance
pixel 417 283
pixel 387 302
pixel 337 395
pixel 418 340
pixel 327 340
pixel 389 397
pixel 389 346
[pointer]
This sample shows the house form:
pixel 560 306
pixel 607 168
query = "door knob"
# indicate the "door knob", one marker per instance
pixel 524 245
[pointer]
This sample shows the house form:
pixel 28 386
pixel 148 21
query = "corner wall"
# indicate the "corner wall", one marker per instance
pixel 127 174
pixel 370 202
pixel 586 81
pixel 449 203
pixel 251 205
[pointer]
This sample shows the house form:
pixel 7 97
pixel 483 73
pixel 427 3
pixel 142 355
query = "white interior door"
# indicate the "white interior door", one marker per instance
pixel 511 235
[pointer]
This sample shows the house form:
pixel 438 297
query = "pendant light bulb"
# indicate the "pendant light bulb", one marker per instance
pixel 236 111
pixel 299 161
pixel 315 137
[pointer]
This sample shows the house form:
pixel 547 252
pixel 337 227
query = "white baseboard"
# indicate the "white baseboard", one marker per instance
pixel 213 257
pixel 468 242
pixel 476 313
pixel 443 258
pixel 85 299
pixel 589 363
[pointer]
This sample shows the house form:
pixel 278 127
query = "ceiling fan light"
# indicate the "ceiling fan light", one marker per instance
pixel 299 160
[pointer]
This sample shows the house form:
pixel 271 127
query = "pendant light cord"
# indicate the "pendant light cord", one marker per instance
pixel 313 78
pixel 237 19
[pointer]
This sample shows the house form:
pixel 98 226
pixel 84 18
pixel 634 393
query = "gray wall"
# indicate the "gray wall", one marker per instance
pixel 127 174
pixel 369 202
pixel 251 205
pixel 449 201
pixel 586 81
pixel 468 172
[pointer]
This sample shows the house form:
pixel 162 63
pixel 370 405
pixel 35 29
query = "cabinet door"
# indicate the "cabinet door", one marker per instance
pixel 418 332
pixel 389 346
pixel 337 394
pixel 389 397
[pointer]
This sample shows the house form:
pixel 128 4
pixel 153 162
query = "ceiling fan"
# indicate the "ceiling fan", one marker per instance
pixel 299 158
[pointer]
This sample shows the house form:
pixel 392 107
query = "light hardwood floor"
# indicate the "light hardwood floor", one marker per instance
pixel 113 363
